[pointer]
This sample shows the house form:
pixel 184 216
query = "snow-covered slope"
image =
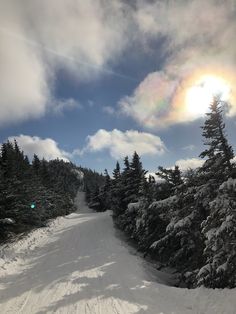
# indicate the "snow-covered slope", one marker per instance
pixel 78 265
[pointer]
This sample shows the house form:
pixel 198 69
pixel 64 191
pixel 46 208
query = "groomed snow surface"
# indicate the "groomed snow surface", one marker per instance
pixel 79 265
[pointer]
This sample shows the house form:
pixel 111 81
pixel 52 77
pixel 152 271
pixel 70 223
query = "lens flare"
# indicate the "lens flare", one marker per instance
pixel 199 96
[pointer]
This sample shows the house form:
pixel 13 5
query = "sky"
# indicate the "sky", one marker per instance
pixel 93 81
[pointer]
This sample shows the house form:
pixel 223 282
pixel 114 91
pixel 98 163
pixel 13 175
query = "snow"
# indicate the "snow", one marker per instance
pixel 79 173
pixel 79 265
pixel 228 185
pixel 184 222
pixel 133 207
pixel 7 221
pixel 166 202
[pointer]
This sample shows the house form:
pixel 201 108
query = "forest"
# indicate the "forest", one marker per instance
pixel 33 193
pixel 185 220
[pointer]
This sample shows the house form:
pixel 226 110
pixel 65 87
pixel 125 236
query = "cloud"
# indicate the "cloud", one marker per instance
pixel 45 148
pixel 65 104
pixel 91 103
pixel 199 43
pixel 168 97
pixel 190 147
pixel 119 144
pixel 87 38
pixel 23 88
pixel 38 38
pixel 109 110
pixel 150 101
pixel 192 163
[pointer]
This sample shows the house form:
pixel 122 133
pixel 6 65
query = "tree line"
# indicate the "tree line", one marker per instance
pixel 186 220
pixel 33 192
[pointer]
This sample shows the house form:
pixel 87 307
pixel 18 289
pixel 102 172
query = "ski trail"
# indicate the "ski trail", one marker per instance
pixel 80 266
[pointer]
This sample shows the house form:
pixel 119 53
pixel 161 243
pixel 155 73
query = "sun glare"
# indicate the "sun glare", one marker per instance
pixel 200 95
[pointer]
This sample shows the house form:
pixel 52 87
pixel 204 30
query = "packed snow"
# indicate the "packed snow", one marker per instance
pixel 79 265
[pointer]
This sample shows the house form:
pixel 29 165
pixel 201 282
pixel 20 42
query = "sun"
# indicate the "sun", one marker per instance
pixel 199 96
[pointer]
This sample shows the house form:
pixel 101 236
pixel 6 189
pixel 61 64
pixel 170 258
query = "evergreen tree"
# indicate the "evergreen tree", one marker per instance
pixel 171 176
pixel 126 182
pixel 219 153
pixel 105 194
pixel 116 191
pixel 217 202
pixel 116 171
pixel 31 194
pixel 36 164
pixel 219 230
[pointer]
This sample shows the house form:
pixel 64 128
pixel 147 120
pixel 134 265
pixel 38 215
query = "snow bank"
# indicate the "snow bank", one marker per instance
pixel 229 184
pixel 14 254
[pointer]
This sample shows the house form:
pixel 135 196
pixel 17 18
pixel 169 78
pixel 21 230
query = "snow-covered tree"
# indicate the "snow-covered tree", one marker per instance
pixel 31 194
pixel 219 230
pixel 171 176
pixel 218 152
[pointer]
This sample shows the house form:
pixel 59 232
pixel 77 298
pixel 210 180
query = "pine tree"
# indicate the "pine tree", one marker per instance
pixel 126 182
pixel 105 194
pixel 219 153
pixel 171 176
pixel 116 191
pixel 219 230
pixel 36 164
pixel 116 171
pixel 217 198
pixel 138 174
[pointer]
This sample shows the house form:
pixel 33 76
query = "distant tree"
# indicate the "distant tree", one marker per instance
pixel 116 171
pixel 116 191
pixel 105 192
pixel 36 164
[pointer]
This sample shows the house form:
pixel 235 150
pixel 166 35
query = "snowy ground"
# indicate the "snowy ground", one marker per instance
pixel 78 265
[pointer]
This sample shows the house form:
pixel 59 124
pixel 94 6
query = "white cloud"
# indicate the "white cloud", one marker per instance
pixel 192 163
pixel 65 104
pixel 85 38
pixel 120 144
pixel 189 147
pixel 191 26
pixel 38 38
pixel 23 88
pixel 199 41
pixel 45 148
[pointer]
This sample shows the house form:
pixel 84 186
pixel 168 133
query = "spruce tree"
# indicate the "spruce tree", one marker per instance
pixel 116 191
pixel 172 177
pixel 116 171
pixel 219 230
pixel 218 199
pixel 218 153
pixel 105 194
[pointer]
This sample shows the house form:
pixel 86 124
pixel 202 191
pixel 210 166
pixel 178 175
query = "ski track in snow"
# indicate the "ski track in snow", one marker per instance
pixel 78 265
